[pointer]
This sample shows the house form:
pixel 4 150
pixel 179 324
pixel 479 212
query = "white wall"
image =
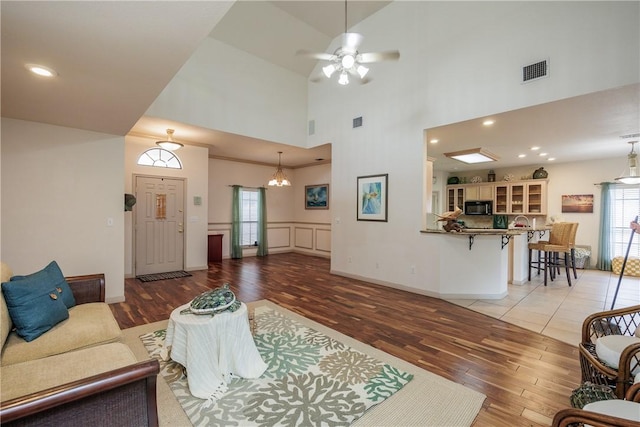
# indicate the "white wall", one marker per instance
pixel 60 186
pixel 194 171
pixel 226 89
pixel 288 221
pixel 459 60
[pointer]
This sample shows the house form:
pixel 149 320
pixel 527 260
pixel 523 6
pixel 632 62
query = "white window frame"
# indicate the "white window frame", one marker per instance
pixel 159 158
pixel 623 208
pixel 250 199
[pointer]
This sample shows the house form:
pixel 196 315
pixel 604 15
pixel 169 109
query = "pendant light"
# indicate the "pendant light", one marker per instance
pixel 169 143
pixel 279 179
pixel 632 177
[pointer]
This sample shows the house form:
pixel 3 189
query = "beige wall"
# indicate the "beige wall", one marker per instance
pixel 62 199
pixel 290 226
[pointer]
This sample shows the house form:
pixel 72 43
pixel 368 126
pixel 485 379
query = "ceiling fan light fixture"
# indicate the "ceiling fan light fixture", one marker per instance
pixel 169 143
pixel 279 179
pixel 362 71
pixel 329 70
pixel 632 177
pixel 348 61
pixel 344 78
pixel 472 156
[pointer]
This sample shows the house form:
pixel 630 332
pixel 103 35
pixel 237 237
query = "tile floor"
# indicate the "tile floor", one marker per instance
pixel 558 310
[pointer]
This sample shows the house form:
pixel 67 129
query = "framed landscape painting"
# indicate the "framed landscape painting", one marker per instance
pixel 372 197
pixel 316 196
pixel 581 203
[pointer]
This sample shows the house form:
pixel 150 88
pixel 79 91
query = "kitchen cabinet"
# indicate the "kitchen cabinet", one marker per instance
pixel 501 200
pixel 536 193
pixel 509 198
pixel 521 198
pixel 455 197
pixel 517 201
pixel 479 192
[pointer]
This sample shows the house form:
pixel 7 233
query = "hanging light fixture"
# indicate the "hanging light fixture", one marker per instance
pixel 169 143
pixel 279 179
pixel 632 177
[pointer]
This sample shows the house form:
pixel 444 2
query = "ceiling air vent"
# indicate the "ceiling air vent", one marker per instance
pixel 535 71
pixel 357 122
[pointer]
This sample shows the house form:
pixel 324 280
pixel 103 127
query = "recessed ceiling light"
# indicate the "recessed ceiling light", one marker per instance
pixel 41 70
pixel 542 154
pixel 488 122
pixel 551 159
pixel 434 141
pixel 535 148
pixel 522 155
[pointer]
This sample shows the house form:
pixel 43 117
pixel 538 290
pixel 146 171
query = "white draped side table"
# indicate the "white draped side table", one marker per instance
pixel 213 349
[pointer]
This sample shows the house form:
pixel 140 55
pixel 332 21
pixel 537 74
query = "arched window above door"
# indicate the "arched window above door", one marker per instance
pixel 160 158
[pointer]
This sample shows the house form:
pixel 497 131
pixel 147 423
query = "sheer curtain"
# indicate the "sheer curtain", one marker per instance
pixel 604 239
pixel 262 222
pixel 236 218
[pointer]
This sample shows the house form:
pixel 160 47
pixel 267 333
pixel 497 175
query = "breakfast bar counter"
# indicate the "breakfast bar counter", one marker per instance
pixel 479 263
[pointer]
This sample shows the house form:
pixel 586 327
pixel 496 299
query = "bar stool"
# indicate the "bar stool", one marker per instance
pixel 548 251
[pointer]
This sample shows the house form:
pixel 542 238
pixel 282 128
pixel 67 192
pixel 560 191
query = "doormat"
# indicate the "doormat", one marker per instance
pixel 163 276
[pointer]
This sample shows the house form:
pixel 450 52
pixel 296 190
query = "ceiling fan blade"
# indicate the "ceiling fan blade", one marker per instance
pixel 367 58
pixel 351 41
pixel 316 55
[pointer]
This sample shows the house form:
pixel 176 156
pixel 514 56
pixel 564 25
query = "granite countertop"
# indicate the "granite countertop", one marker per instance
pixel 488 231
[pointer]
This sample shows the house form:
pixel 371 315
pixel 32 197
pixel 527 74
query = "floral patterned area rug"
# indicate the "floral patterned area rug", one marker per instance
pixel 311 379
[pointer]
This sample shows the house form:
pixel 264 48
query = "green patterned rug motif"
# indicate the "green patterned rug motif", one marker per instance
pixel 311 380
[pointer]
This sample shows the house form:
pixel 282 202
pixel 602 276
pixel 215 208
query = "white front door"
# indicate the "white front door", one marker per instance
pixel 159 225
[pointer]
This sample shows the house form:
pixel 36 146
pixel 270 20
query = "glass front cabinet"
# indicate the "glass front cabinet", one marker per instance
pixel 521 198
pixel 455 198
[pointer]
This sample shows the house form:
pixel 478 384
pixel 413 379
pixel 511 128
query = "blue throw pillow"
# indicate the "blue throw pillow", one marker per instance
pixel 53 276
pixel 34 306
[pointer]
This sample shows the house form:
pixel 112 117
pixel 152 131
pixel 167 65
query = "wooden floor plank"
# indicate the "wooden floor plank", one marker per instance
pixel 526 376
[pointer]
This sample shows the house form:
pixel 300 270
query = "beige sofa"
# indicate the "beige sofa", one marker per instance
pixel 71 367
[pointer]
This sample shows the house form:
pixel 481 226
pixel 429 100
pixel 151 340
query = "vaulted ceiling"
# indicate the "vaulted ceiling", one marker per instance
pixel 114 58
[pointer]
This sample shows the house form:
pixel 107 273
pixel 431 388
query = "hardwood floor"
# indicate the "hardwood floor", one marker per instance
pixel 526 377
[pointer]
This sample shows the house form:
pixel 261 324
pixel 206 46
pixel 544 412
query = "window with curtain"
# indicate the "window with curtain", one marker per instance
pixel 250 217
pixel 624 206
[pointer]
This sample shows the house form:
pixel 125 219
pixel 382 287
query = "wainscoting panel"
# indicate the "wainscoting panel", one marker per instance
pixel 279 237
pixel 304 237
pixel 323 240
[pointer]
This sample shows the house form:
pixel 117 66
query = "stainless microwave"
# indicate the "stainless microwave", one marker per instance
pixel 478 207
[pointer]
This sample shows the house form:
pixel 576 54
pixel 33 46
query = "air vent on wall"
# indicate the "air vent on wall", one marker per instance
pixel 631 135
pixel 357 122
pixel 535 71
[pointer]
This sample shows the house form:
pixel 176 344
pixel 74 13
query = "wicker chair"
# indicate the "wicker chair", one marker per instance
pixel 622 321
pixel 574 417
pixel 548 260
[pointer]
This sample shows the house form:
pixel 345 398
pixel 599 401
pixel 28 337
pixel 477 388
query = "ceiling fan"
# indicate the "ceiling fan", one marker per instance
pixel 347 60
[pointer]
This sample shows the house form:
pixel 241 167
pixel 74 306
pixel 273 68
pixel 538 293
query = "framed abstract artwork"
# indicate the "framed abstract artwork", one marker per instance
pixel 316 196
pixel 372 198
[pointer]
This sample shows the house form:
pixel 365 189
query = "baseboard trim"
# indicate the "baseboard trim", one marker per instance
pixel 419 291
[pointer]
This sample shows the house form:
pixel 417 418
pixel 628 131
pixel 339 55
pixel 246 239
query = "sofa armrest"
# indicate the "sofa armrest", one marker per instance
pixel 124 396
pixel 88 288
